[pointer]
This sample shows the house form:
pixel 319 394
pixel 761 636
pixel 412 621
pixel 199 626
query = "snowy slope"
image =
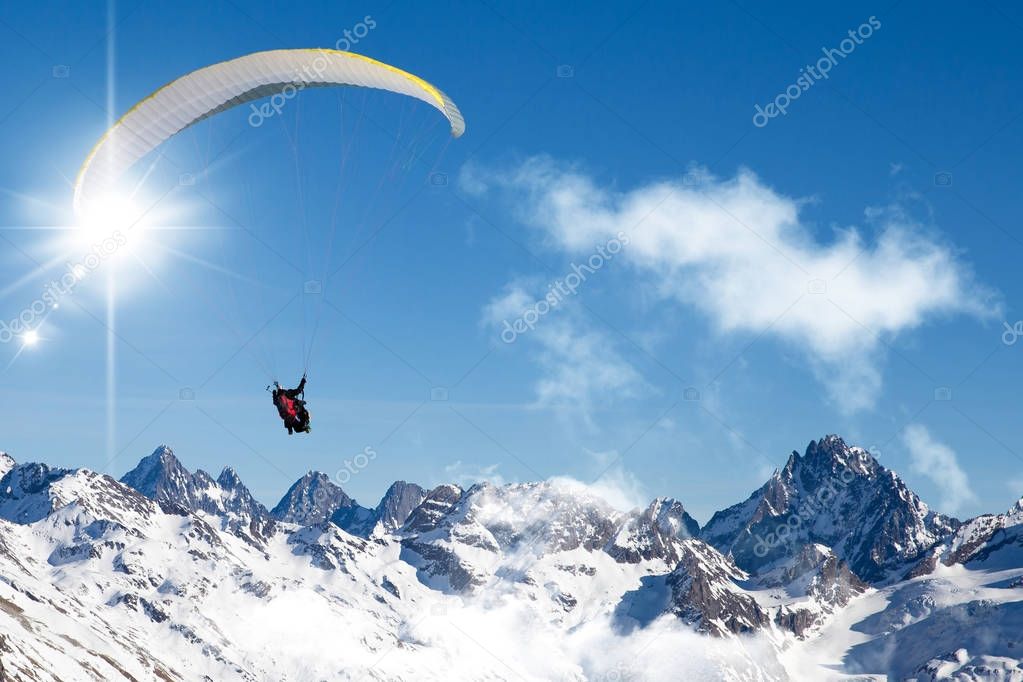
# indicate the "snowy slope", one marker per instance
pixel 174 575
pixel 155 595
pixel 956 624
pixel 988 541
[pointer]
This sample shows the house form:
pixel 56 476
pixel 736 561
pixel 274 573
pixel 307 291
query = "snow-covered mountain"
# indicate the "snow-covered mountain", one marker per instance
pixel 987 540
pixel 28 494
pixel 838 496
pixel 173 575
pixel 311 500
pixel 315 499
pixel 163 479
pixel 655 533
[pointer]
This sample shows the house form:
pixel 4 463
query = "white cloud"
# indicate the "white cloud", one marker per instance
pixel 616 486
pixel 736 250
pixel 937 462
pixel 581 367
pixel 511 304
pixel 465 475
pixel 503 638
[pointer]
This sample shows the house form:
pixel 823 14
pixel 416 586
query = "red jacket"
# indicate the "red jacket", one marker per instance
pixel 286 407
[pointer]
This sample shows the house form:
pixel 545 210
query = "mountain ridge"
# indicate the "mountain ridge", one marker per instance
pixel 147 551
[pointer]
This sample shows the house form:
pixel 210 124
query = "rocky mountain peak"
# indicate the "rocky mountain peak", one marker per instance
pixel 670 517
pixel 398 503
pixel 437 504
pixel 311 500
pixel 315 499
pixel 161 477
pixel 704 593
pixel 835 495
pixel 655 533
pixel 25 491
pixel 828 457
pixel 30 478
pixel 229 479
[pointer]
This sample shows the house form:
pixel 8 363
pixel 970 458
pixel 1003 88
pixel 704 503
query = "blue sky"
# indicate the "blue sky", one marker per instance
pixel 897 170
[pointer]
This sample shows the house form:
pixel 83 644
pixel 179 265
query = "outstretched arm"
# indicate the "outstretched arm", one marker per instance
pixel 295 392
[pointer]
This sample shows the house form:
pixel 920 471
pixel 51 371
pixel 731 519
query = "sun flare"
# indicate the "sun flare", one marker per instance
pixel 116 224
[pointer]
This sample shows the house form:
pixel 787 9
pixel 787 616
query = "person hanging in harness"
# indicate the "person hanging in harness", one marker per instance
pixel 291 407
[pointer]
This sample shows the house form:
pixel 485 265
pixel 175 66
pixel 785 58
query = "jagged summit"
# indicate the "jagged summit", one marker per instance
pixel 397 503
pixel 311 500
pixel 836 495
pixel 831 453
pixel 229 478
pixel 655 533
pixel 30 477
pixel 389 514
pixel 161 477
pixel 315 499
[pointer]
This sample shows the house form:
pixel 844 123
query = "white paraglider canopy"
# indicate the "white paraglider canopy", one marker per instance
pixel 213 89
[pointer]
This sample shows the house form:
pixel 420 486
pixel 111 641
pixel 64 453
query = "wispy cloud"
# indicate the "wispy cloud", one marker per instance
pixel 938 463
pixel 580 366
pixel 736 250
pixel 615 484
pixel 465 475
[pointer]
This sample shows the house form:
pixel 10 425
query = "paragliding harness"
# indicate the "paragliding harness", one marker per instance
pixel 290 406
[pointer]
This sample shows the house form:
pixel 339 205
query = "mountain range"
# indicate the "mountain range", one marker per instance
pixel 832 569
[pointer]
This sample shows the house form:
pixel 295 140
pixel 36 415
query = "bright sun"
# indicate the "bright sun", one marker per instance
pixel 30 338
pixel 114 223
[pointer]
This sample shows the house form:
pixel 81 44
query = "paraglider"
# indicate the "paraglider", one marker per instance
pixel 290 404
pixel 274 75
